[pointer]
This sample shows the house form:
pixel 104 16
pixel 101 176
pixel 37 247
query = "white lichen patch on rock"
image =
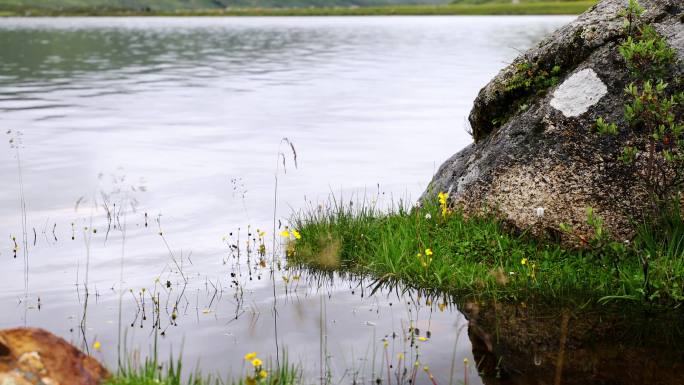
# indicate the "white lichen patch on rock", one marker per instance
pixel 579 92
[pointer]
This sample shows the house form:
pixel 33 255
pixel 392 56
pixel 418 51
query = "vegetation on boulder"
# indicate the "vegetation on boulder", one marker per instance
pixel 654 113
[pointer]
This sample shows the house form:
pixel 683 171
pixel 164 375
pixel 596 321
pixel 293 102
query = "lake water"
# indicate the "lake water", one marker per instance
pixel 175 125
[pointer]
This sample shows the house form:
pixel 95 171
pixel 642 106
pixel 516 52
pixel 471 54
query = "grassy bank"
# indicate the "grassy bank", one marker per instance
pixel 481 259
pixel 531 8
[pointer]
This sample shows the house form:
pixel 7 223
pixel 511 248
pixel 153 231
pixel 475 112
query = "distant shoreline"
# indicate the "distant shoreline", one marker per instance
pixel 536 8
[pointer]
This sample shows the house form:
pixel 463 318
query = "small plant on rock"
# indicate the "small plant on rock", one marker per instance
pixel 654 110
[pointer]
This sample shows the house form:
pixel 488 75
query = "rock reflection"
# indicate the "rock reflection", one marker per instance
pixel 524 344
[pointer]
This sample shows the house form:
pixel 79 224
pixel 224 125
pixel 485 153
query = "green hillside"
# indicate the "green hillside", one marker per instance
pixel 289 7
pixel 180 5
pixel 166 5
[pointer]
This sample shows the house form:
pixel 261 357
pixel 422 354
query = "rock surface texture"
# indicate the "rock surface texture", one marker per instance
pixel 36 357
pixel 536 158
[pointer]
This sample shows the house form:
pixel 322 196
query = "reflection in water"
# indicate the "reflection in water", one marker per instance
pixel 181 119
pixel 192 49
pixel 356 335
pixel 518 343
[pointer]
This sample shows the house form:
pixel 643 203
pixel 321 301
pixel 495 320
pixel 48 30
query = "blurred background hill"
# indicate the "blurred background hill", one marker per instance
pixel 170 5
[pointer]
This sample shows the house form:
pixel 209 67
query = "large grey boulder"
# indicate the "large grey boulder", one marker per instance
pixel 536 158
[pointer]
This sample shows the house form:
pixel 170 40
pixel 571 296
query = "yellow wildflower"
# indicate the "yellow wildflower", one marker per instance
pixel 263 373
pixel 428 252
pixel 296 234
pixel 257 363
pixel 422 339
pixel 97 345
pixel 523 261
pixel 443 197
pixel 400 356
pixel 443 203
pixel 285 233
pixel 465 361
pixel 426 368
pixel 250 356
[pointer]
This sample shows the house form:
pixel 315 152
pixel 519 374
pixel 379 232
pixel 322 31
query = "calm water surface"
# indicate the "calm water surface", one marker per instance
pixel 179 122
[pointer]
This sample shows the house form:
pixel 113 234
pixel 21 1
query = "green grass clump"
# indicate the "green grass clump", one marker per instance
pixel 480 258
pixel 151 372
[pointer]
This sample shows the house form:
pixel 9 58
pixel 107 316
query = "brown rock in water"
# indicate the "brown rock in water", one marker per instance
pixel 30 356
pixel 537 159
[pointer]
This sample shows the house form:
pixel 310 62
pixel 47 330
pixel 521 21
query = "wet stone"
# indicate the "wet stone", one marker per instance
pixel 37 357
